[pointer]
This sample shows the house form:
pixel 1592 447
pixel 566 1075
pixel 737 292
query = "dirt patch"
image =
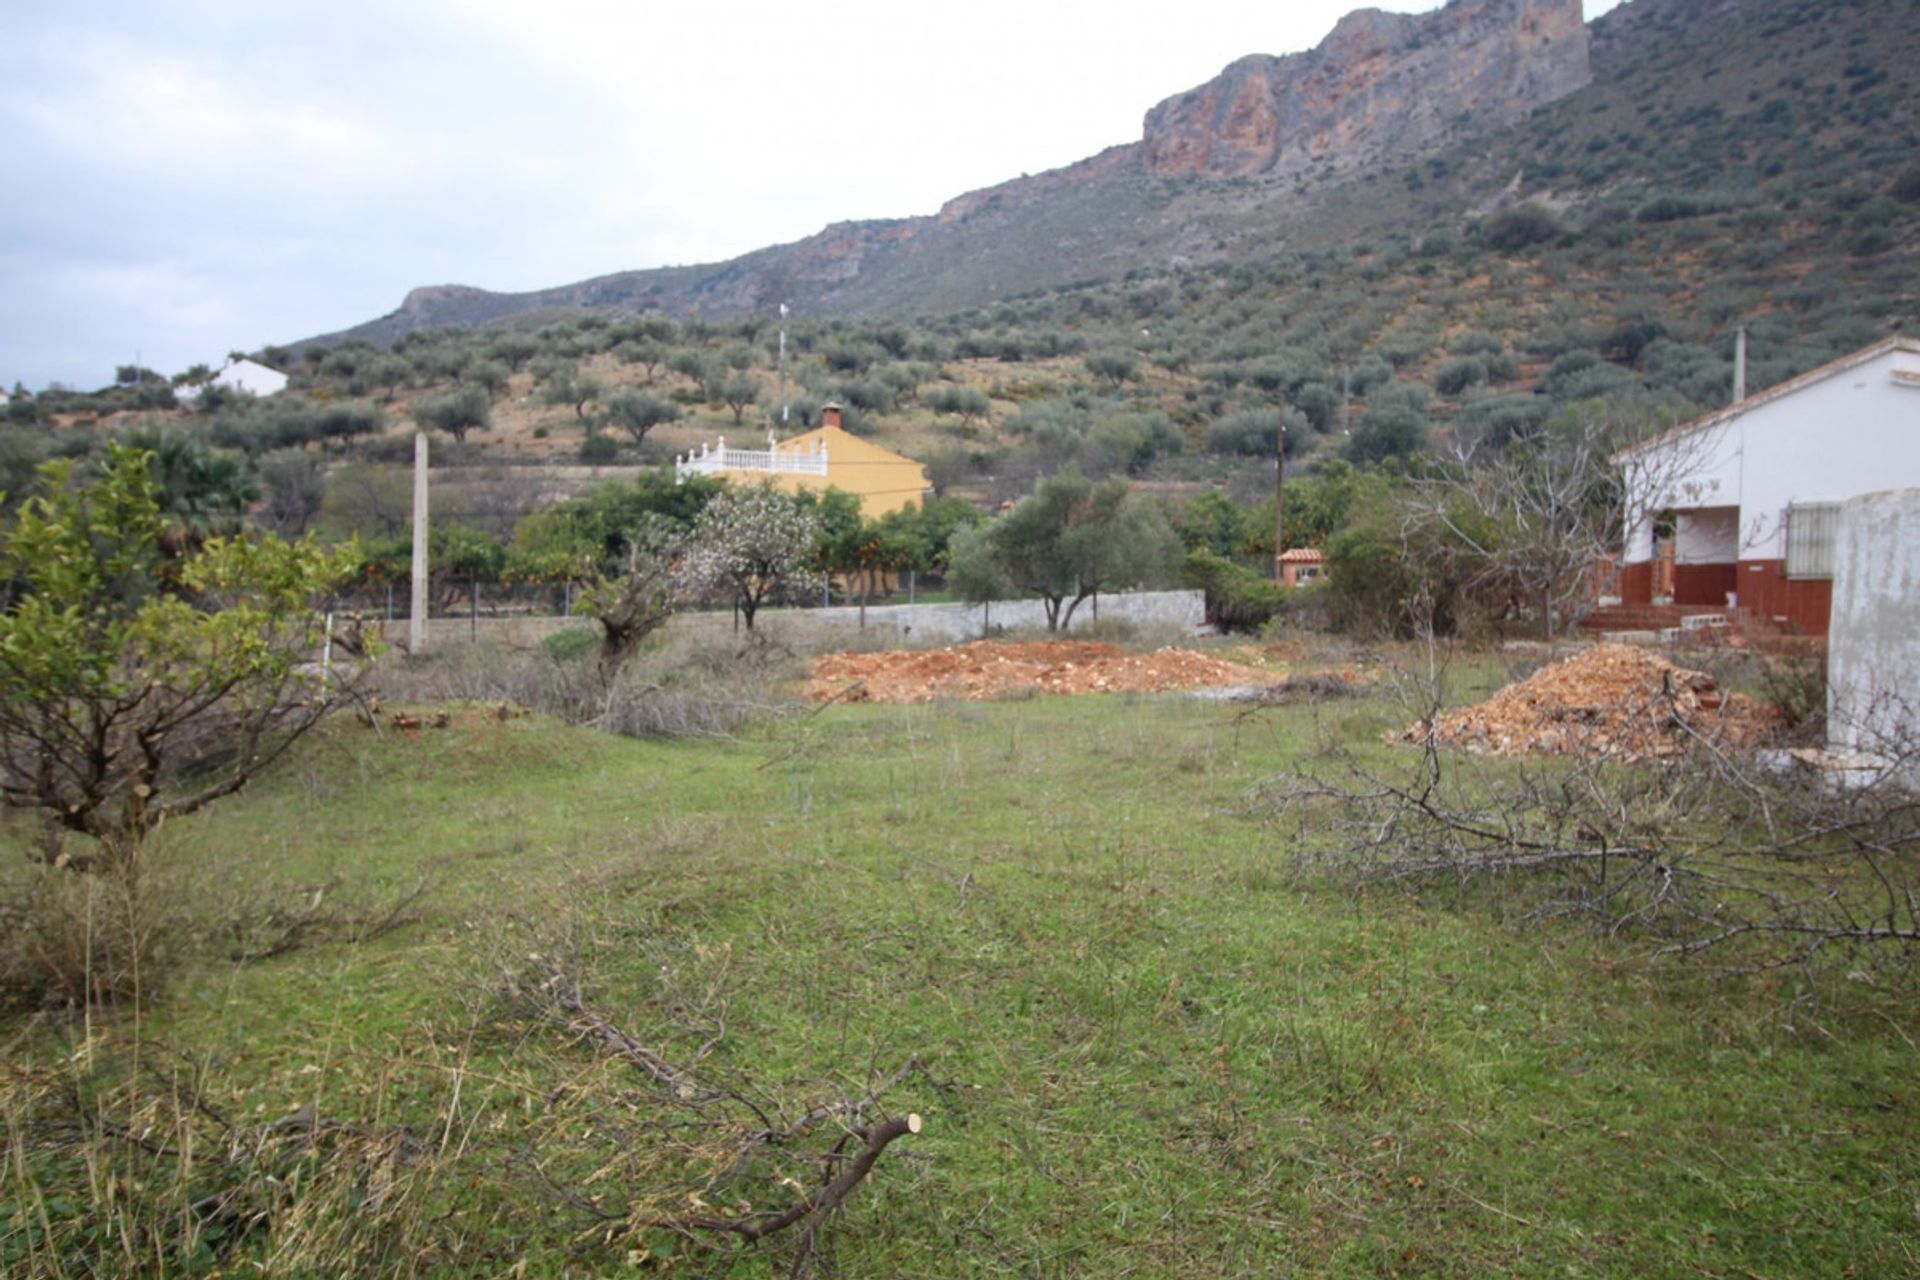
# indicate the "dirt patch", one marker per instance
pixel 989 669
pixel 1611 700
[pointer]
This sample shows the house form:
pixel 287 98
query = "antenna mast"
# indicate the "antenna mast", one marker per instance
pixel 783 364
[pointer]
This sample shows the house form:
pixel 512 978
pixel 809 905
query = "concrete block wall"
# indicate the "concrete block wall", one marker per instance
pixel 1873 637
pixel 906 623
pixel 958 622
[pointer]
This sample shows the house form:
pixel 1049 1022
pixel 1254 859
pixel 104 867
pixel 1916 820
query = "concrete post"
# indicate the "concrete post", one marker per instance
pixel 417 624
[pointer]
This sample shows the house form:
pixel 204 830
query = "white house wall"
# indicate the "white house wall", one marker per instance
pixel 1856 431
pixel 253 379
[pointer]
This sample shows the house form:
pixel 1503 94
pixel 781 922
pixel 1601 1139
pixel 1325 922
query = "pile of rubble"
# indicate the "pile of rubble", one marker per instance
pixel 990 669
pixel 1611 700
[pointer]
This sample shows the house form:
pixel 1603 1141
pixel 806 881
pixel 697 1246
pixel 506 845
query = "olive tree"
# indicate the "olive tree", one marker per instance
pixel 737 391
pixel 562 383
pixel 965 403
pixel 1067 540
pixel 638 412
pixel 1116 367
pixel 467 409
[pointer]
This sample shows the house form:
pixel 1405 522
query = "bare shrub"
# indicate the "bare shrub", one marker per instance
pixel 478 672
pixel 1796 684
pixel 683 688
pixel 68 940
pixel 128 1162
pixel 679 685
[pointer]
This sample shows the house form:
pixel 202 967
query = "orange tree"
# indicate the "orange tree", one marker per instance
pixel 135 688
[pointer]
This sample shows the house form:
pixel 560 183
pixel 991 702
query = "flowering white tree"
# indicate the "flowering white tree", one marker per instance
pixel 753 544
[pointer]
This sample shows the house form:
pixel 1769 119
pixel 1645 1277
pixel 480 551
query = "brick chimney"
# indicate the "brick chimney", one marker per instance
pixel 830 414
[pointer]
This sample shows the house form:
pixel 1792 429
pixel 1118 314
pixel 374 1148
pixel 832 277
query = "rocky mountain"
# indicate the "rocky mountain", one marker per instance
pixel 1380 86
pixel 1393 124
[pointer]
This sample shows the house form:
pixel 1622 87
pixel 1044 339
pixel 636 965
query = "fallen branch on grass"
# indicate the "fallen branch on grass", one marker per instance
pixel 1706 854
pixel 280 930
pixel 873 1141
pixel 718 1136
pixel 548 990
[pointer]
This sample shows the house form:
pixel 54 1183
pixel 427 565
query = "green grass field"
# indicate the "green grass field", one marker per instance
pixel 1150 1047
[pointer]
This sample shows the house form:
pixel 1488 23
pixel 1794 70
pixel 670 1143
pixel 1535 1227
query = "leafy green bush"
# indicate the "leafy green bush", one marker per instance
pixel 1237 599
pixel 1476 342
pixel 1522 226
pixel 1874 240
pixel 1250 433
pixel 1456 375
pixel 1405 346
pixel 570 645
pixel 1395 424
pixel 1387 575
pixel 1671 209
pixel 1498 419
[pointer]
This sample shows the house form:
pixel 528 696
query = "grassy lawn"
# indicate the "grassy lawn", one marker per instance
pixel 1149 1046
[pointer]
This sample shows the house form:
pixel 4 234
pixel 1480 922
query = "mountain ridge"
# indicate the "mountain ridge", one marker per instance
pixel 1380 85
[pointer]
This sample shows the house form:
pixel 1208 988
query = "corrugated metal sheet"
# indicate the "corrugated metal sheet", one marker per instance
pixel 1810 530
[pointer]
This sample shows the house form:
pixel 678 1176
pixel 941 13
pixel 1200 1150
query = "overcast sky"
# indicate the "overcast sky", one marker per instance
pixel 189 177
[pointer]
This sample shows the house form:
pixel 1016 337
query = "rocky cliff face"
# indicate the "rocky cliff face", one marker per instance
pixel 1380 84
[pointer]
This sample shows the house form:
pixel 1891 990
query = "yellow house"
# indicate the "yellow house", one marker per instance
pixel 825 457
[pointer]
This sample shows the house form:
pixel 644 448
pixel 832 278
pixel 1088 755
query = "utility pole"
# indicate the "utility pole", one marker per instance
pixel 417 624
pixel 1279 490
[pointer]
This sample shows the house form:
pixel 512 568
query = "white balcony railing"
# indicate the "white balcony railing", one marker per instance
pixel 772 460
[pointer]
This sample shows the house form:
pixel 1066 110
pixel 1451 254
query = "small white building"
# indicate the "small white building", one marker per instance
pixel 240 374
pixel 1738 507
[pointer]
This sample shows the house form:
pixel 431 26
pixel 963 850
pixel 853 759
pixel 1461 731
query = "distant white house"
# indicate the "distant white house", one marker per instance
pixel 1738 507
pixel 238 374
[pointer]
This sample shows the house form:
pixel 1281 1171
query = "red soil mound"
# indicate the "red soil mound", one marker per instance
pixel 1613 700
pixel 990 669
